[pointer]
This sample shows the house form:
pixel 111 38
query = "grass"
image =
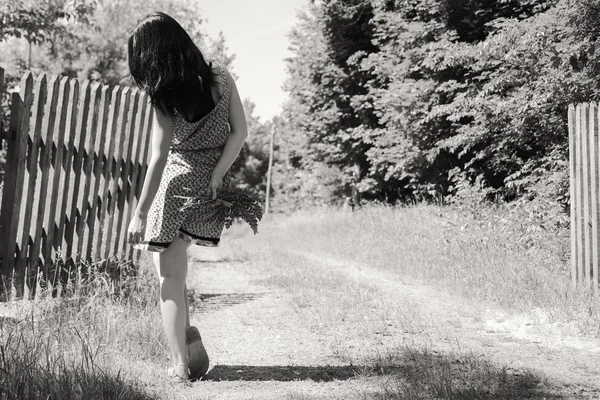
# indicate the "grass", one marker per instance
pixel 498 254
pixel 93 343
pixel 315 258
pixel 83 346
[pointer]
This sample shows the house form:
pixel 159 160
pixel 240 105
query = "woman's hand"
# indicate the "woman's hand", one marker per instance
pixel 136 229
pixel 214 185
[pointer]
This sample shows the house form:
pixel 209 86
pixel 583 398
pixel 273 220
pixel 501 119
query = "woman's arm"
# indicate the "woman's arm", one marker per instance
pixel 237 137
pixel 162 132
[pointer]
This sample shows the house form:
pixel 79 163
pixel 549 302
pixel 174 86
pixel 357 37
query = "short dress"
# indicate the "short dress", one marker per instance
pixel 195 150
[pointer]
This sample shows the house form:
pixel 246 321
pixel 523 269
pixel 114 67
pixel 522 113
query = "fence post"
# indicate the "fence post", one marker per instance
pixel 45 165
pixel 2 246
pixel 14 180
pixel 573 191
pixel 95 214
pixel 56 193
pixel 593 149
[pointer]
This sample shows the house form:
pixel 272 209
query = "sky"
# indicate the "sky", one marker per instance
pixel 256 32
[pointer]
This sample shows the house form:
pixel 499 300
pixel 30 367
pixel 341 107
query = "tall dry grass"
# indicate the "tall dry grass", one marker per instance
pixel 82 346
pixel 516 256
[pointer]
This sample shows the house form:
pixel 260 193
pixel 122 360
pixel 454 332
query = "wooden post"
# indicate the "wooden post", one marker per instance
pixel 57 192
pixel 66 187
pixel 580 197
pixel 86 170
pixel 2 246
pixel 573 118
pixel 269 170
pixel 14 178
pixel 120 132
pixel 24 268
pixel 593 145
pixel 113 142
pixel 45 165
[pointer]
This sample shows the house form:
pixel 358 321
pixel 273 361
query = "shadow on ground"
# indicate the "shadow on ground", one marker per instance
pixel 411 375
pixel 425 374
pixel 279 373
pixel 204 302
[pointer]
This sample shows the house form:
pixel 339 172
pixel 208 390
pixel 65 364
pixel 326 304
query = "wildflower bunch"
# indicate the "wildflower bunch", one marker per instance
pixel 231 204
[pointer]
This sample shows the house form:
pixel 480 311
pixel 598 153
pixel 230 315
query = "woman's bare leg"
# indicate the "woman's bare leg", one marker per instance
pixel 171 266
pixel 187 307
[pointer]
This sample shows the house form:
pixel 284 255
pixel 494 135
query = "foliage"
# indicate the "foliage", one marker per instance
pixel 430 97
pixel 250 168
pixel 40 21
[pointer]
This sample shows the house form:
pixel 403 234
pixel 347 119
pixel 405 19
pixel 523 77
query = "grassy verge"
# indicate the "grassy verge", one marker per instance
pixel 506 255
pixel 495 256
pixel 81 347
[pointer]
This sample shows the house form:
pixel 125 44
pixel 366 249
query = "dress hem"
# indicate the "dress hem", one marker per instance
pixel 185 236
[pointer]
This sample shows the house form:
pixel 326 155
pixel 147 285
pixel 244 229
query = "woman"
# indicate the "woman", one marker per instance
pixel 198 130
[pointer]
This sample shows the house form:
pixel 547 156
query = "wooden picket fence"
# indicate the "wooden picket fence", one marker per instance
pixel 584 171
pixel 76 157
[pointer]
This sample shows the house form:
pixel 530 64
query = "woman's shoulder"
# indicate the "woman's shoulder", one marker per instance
pixel 221 72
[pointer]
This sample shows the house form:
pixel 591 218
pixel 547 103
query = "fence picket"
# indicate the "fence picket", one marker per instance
pixel 95 212
pixel 45 166
pixel 593 147
pixel 572 191
pixel 118 156
pixel 55 194
pixel 78 151
pixel 13 184
pixel 578 192
pixel 66 188
pixel 25 277
pixel 88 162
pixel 111 144
pixel 123 204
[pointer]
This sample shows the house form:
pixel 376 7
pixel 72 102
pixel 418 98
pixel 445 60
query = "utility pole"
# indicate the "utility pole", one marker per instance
pixel 270 169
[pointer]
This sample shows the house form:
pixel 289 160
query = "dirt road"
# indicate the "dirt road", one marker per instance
pixel 261 348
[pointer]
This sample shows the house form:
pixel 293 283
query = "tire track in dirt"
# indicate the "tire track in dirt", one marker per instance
pixel 453 324
pixel 257 345
pixel 259 348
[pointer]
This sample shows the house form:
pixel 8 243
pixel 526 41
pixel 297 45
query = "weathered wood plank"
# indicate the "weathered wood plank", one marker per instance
pixel 83 111
pixel 120 132
pixel 14 178
pixel 92 252
pixel 25 228
pixel 573 161
pixel 45 167
pixel 124 204
pixel 586 194
pixel 66 188
pixel 593 141
pixel 56 195
pixel 579 200
pixel 109 148
pixel 89 126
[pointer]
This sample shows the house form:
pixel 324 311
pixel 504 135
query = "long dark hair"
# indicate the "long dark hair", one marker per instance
pixel 166 64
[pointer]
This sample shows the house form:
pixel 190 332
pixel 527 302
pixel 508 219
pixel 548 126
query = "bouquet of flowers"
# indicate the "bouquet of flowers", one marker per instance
pixel 231 203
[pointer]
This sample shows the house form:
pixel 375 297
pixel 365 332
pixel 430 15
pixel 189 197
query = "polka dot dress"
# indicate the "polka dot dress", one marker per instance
pixel 195 150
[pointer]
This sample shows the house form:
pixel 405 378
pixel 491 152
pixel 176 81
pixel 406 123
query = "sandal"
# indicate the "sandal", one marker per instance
pixel 198 362
pixel 180 373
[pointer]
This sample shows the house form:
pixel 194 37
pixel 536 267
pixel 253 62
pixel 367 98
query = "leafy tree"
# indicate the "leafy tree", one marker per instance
pixel 431 96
